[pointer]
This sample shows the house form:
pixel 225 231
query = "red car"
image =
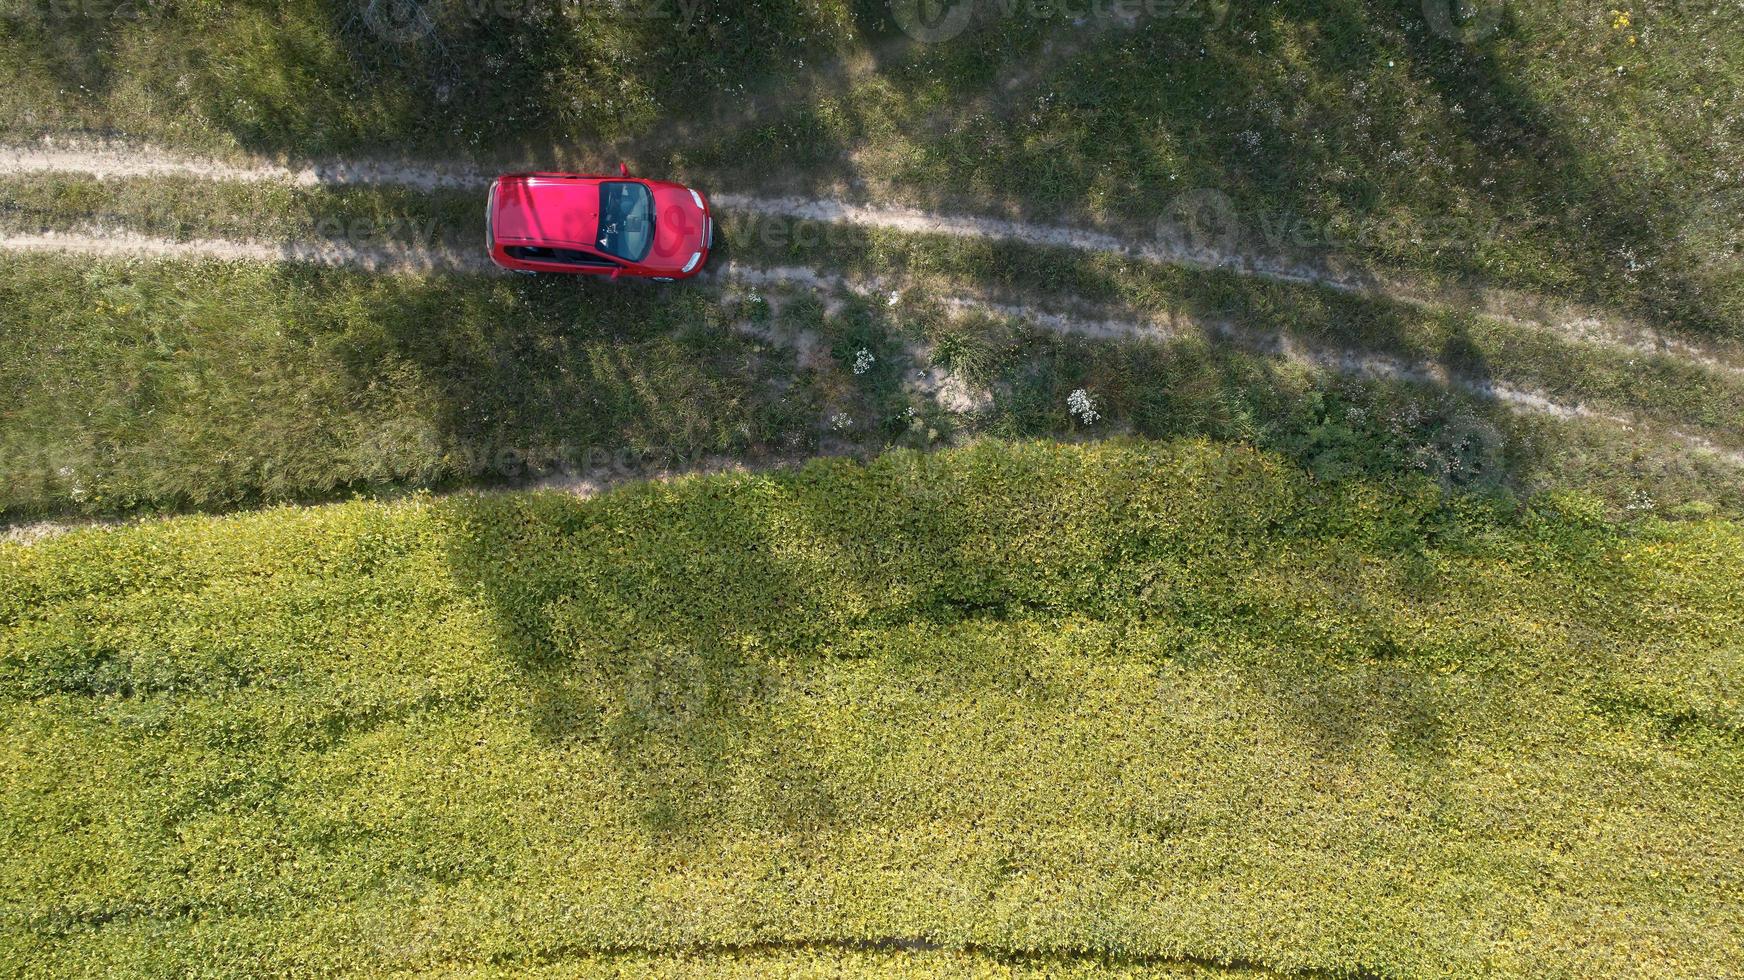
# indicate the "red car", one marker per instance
pixel 610 226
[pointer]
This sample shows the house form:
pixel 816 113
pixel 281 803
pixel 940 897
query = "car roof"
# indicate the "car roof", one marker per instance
pixel 547 209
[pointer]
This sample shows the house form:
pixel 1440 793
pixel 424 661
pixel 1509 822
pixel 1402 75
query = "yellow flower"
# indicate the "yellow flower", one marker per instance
pixel 1619 20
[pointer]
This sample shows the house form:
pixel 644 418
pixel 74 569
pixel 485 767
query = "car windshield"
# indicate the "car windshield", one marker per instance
pixel 626 214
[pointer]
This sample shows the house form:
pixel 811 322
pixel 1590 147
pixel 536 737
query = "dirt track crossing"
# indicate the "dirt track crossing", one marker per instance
pixel 109 160
pixel 115 161
pixel 121 244
pixel 112 243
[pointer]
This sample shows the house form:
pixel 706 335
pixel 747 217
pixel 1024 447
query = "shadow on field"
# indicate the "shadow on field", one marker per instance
pixel 436 77
pixel 510 379
pixel 661 649
pixel 1317 178
pixel 1284 108
pixel 1610 228
pixel 315 383
pixel 677 628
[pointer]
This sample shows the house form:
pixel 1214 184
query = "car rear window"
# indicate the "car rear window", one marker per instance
pixel 626 216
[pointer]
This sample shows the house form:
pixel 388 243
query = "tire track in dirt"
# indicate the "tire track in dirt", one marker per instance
pixel 1351 363
pixel 114 243
pixel 1515 309
pixel 114 160
pixel 123 244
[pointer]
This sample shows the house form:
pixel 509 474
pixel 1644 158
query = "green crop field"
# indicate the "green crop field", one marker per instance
pixel 1025 709
pixel 1137 489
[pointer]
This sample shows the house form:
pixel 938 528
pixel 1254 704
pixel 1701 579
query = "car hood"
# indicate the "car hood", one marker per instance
pixel 679 225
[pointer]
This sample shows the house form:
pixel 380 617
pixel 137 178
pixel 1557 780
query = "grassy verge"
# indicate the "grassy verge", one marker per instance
pixel 326 76
pixel 183 208
pixel 1661 388
pixel 1135 701
pixel 1338 427
pixel 164 386
pixel 154 385
pixel 207 385
pixel 1557 153
pixel 828 963
pixel 1574 148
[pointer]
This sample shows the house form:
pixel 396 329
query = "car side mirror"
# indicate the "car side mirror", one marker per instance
pixel 623 169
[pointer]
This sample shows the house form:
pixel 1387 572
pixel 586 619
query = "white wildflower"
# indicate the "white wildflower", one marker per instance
pixel 863 361
pixel 1078 403
pixel 840 421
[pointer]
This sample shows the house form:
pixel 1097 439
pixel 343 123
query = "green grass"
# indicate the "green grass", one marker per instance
pixel 164 385
pixel 184 208
pixel 317 75
pixel 829 962
pixel 1554 156
pixel 1138 701
pixel 210 384
pixel 1659 388
pixel 1662 387
pixel 1360 681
